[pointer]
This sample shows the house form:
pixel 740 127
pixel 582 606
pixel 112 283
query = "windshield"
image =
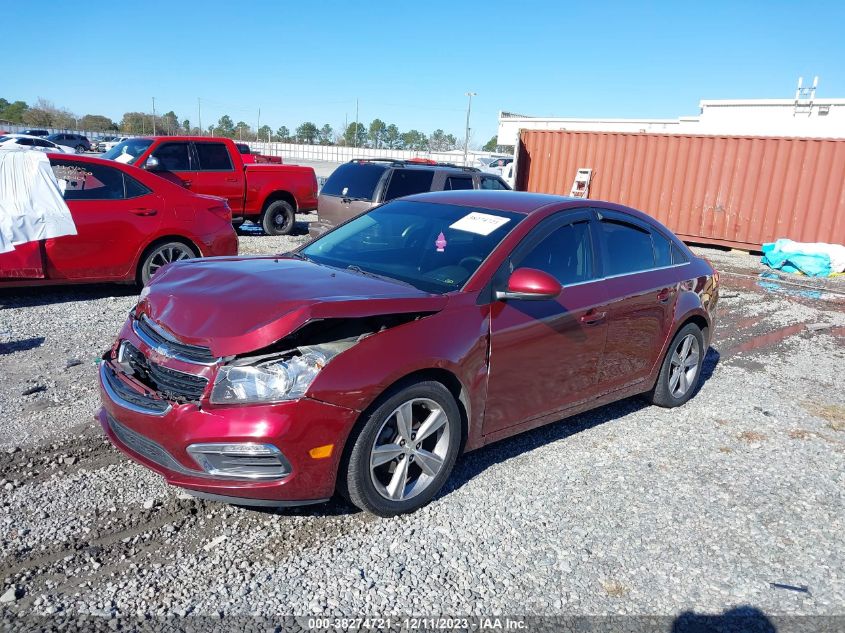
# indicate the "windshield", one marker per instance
pixel 354 180
pixel 129 150
pixel 433 247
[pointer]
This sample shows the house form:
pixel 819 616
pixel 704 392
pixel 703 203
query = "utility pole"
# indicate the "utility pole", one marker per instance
pixel 356 123
pixel 154 116
pixel 258 124
pixel 199 115
pixel 466 140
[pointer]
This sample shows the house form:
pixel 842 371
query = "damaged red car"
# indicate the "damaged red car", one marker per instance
pixel 365 362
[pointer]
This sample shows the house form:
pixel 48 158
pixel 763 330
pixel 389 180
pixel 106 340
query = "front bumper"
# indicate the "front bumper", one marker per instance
pixel 159 439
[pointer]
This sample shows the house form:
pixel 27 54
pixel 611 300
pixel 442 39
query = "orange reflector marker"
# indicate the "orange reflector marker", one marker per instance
pixel 321 452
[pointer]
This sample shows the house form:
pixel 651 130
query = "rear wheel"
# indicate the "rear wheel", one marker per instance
pixel 279 218
pixel 680 372
pixel 80 149
pixel 160 254
pixel 405 451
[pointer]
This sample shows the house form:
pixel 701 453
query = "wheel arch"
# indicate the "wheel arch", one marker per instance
pixel 280 194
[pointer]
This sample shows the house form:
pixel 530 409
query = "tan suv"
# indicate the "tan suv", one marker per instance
pixel 361 184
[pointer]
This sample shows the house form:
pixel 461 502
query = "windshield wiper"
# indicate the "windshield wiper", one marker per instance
pixel 367 273
pixel 301 256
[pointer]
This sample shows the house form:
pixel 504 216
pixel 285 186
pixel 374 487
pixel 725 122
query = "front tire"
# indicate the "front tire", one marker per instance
pixel 279 218
pixel 680 372
pixel 80 149
pixel 405 451
pixel 159 255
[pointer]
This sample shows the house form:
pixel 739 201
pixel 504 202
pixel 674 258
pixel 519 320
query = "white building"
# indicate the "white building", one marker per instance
pixel 805 115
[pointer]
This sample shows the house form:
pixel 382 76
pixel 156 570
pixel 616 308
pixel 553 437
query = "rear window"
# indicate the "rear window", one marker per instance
pixel 454 183
pixel 405 182
pixel 354 180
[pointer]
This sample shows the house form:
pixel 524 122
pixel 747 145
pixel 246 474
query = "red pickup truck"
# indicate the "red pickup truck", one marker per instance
pixel 267 193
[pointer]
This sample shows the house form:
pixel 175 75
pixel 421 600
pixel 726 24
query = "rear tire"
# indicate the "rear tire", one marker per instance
pixel 680 373
pixel 279 218
pixel 157 255
pixel 80 149
pixel 404 452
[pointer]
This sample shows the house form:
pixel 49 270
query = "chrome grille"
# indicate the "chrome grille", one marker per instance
pixel 172 384
pixel 127 397
pixel 153 336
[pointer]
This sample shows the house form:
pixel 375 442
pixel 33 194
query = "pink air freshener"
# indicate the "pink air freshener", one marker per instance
pixel 440 242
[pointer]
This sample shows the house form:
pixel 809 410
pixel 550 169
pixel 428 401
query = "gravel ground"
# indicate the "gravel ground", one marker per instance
pixel 734 499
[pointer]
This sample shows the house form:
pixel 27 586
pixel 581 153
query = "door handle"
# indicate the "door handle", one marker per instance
pixel 592 317
pixel 346 201
pixel 231 180
pixel 664 295
pixel 143 212
pixel 187 183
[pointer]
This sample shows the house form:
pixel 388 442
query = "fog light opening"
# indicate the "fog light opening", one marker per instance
pixel 244 460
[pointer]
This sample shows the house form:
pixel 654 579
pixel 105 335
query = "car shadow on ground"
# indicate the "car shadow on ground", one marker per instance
pixel 21 345
pixel 249 229
pixel 44 295
pixel 471 465
pixel 742 619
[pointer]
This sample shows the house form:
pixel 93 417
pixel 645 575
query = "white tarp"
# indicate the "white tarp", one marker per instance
pixel 31 204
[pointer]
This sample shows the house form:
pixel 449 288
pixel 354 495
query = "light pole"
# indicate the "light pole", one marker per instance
pixel 470 95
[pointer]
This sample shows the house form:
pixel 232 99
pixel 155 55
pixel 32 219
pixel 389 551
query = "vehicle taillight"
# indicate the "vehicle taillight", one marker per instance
pixel 314 183
pixel 222 210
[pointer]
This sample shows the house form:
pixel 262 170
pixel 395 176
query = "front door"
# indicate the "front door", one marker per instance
pixel 24 262
pixel 545 355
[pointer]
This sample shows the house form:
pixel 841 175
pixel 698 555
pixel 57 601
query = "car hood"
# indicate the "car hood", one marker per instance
pixel 241 304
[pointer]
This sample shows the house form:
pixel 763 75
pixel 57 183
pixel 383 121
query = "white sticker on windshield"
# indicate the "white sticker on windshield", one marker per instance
pixel 124 158
pixel 480 223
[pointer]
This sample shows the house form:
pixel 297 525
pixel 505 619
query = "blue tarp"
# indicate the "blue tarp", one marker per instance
pixel 813 260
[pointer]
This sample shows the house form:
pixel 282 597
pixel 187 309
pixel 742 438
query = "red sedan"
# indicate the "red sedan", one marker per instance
pixel 366 361
pixel 129 223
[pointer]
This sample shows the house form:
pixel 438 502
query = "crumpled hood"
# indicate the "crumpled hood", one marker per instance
pixel 237 305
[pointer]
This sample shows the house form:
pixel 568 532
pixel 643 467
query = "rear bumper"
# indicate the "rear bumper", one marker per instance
pixel 159 441
pixel 316 229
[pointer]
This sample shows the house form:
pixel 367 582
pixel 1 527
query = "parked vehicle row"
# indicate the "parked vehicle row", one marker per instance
pixel 129 223
pixel 269 194
pixel 367 360
pixel 37 143
pixel 361 184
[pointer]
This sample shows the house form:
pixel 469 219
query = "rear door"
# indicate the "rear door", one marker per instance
pixel 545 355
pixel 216 174
pixel 114 215
pixel 457 183
pixel 642 293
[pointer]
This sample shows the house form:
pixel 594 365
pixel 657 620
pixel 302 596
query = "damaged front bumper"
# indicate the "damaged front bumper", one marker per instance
pixel 273 454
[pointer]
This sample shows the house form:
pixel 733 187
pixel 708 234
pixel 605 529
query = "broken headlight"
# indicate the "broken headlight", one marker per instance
pixel 270 381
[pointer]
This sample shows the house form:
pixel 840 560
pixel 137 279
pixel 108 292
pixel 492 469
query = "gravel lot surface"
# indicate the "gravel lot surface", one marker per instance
pixel 734 499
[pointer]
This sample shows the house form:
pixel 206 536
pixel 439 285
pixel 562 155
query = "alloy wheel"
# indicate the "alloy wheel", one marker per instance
pixel 165 254
pixel 410 449
pixel 684 366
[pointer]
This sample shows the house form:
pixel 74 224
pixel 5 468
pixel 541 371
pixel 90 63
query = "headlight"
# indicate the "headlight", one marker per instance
pixel 272 381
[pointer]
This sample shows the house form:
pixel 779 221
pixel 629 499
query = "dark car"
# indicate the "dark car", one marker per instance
pixel 367 360
pixel 361 184
pixel 76 141
pixel 34 132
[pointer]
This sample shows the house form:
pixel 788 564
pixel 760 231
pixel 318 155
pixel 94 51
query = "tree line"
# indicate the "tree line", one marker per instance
pixel 378 134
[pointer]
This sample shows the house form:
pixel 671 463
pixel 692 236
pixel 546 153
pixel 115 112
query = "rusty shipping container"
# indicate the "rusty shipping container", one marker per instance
pixel 738 191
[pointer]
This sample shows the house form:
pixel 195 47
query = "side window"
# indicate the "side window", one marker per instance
pixel 492 184
pixel 678 256
pixel 173 156
pixel 456 182
pixel 134 188
pixel 566 253
pixel 39 143
pixel 662 250
pixel 404 182
pixel 213 157
pixel 628 248
pixel 24 141
pixel 82 181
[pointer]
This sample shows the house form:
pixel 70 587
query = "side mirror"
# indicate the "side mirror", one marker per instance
pixel 530 284
pixel 152 164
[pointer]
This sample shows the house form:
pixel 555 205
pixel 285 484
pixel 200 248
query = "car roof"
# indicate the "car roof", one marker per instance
pixel 398 163
pixel 23 136
pixel 88 159
pixel 515 201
